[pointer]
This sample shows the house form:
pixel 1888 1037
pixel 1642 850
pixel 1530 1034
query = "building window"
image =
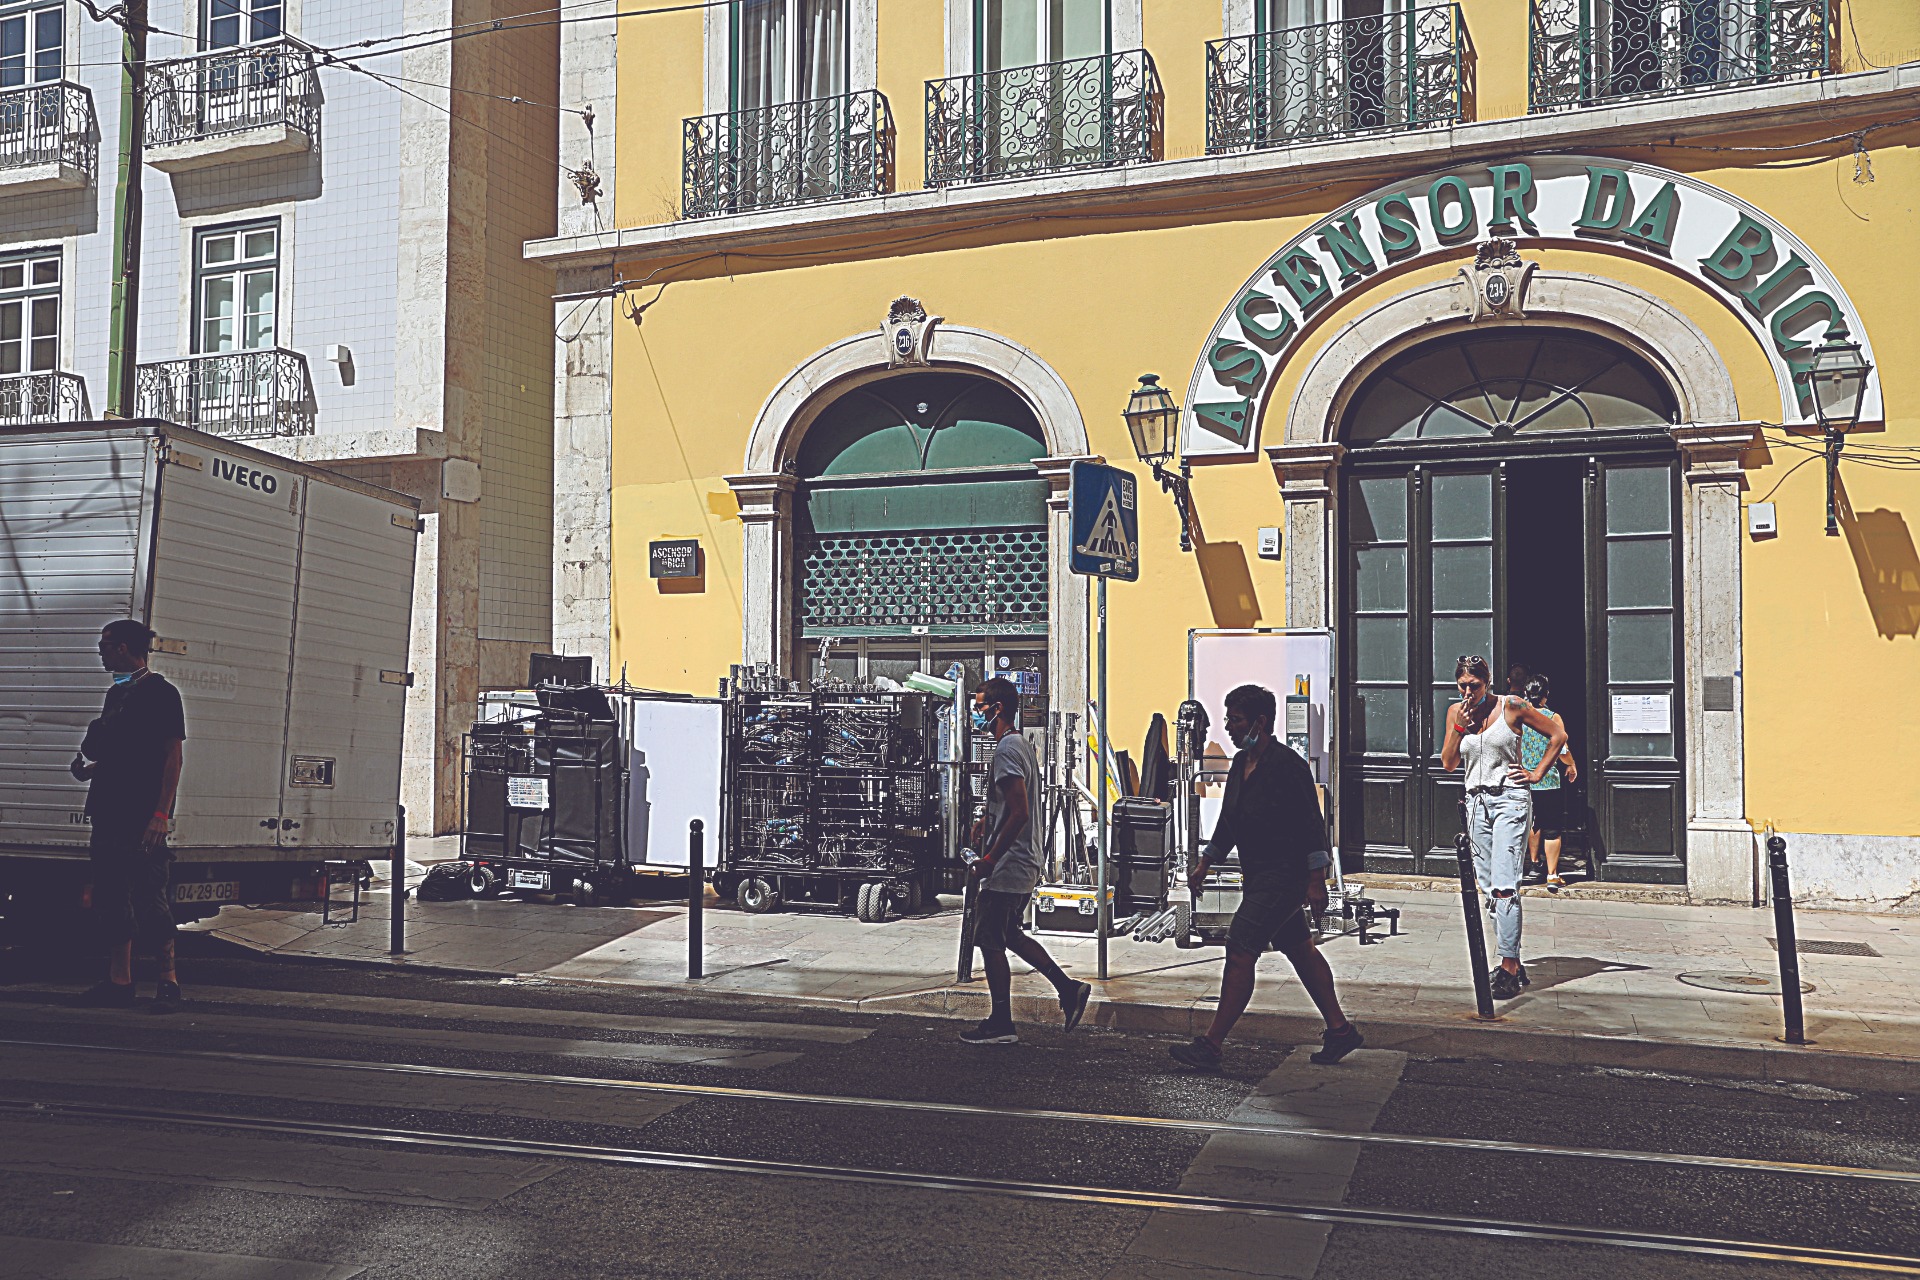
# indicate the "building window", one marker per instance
pixel 788 51
pixel 1025 33
pixel 231 23
pixel 32 43
pixel 29 314
pixel 236 289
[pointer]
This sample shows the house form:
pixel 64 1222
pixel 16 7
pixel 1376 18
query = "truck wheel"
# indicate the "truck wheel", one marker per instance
pixel 584 893
pixel 879 899
pixel 863 904
pixel 757 896
pixel 1183 927
pixel 916 897
pixel 482 883
pixel 725 887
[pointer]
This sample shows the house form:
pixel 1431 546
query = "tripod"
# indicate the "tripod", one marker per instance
pixel 1063 811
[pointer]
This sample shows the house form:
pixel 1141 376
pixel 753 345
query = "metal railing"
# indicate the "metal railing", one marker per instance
pixel 47 124
pixel 230 90
pixel 1401 70
pixel 1581 52
pixel 833 148
pixel 28 398
pixel 1087 113
pixel 239 394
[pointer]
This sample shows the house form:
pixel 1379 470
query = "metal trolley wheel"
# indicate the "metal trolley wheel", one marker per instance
pixel 758 896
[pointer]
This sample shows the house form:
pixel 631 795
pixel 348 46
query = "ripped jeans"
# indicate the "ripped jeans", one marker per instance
pixel 1497 823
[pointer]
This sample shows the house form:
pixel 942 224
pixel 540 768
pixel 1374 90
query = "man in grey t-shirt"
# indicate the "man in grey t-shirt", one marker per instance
pixel 1009 868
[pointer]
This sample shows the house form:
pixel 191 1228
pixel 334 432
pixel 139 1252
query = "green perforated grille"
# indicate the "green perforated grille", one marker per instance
pixel 973 581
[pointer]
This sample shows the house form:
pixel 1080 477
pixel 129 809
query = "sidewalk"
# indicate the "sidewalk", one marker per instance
pixel 1606 976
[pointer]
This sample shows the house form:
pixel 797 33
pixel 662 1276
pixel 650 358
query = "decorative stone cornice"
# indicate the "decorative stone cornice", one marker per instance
pixel 1305 471
pixel 763 497
pixel 1712 453
pixel 1058 473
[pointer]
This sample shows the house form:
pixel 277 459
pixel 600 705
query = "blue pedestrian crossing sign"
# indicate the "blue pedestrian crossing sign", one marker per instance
pixel 1106 522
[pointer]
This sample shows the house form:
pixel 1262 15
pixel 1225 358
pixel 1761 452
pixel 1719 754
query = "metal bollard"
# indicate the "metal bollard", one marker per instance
pixel 1470 903
pixel 696 897
pixel 397 904
pixel 1786 941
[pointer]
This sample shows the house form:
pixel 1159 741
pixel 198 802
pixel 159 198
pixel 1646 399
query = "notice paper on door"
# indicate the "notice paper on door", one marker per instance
pixel 1643 713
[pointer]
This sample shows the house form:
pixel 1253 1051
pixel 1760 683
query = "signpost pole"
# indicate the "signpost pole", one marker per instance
pixel 1100 889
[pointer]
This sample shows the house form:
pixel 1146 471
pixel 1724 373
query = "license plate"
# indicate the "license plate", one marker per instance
pixel 207 891
pixel 526 879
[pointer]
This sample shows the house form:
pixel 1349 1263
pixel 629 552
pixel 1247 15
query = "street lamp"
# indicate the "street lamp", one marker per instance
pixel 1153 420
pixel 1837 384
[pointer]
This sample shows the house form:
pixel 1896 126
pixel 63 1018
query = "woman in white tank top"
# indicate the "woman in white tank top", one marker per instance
pixel 1485 731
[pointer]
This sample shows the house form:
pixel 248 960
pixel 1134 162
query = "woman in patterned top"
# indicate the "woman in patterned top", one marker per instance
pixel 1549 796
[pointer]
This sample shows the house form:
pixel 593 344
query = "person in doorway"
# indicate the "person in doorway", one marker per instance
pixel 1549 796
pixel 1517 676
pixel 1271 814
pixel 130 759
pixel 1009 869
pixel 1484 730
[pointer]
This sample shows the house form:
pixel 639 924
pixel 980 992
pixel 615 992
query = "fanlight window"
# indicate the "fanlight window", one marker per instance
pixel 1495 385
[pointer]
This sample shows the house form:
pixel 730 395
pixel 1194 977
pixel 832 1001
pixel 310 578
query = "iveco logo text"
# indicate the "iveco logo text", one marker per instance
pixel 261 481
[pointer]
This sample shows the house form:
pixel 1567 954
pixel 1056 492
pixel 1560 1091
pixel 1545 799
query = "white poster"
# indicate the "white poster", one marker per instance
pixel 527 793
pixel 1218 661
pixel 1642 713
pixel 675 779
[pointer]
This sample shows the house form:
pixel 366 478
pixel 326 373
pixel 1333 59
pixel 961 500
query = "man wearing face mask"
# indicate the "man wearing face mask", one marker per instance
pixel 1009 868
pixel 131 762
pixel 1271 813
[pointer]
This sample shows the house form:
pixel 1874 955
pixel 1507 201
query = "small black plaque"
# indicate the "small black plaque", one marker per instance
pixel 1716 693
pixel 680 559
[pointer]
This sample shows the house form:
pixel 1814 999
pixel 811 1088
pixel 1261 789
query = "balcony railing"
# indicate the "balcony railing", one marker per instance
pixel 30 398
pixel 231 91
pixel 1395 71
pixel 47 124
pixel 794 153
pixel 1088 113
pixel 1580 54
pixel 240 394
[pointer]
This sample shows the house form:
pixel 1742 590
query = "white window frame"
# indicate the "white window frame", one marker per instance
pixel 25 296
pixel 242 266
pixel 245 17
pixel 1123 31
pixel 863 53
pixel 28 14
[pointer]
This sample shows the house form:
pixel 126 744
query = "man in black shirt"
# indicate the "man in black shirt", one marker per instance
pixel 1271 813
pixel 131 761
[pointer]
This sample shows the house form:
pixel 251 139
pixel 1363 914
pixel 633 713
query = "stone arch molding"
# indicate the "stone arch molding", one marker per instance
pixel 1649 326
pixel 1726 249
pixel 834 370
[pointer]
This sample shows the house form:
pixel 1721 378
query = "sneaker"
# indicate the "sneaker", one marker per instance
pixel 1505 985
pixel 166 998
pixel 1555 884
pixel 1335 1045
pixel 1521 975
pixel 1073 1005
pixel 106 995
pixel 1200 1055
pixel 991 1032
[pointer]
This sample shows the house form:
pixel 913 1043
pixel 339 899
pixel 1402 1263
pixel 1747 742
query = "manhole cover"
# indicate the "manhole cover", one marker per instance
pixel 1821 947
pixel 1752 984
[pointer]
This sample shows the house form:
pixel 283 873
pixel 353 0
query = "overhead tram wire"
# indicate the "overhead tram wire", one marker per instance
pixel 509 24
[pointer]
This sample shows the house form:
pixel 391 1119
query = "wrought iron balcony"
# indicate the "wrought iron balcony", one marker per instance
pixel 1401 70
pixel 228 91
pixel 794 153
pixel 239 394
pixel 1088 113
pixel 47 124
pixel 1644 48
pixel 31 398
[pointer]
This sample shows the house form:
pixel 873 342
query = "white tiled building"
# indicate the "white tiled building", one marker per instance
pixel 331 268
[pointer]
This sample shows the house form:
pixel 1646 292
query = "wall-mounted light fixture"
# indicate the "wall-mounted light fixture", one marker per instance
pixel 1153 420
pixel 1836 380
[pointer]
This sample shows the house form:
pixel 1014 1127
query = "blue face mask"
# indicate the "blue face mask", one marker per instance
pixel 980 722
pixel 123 677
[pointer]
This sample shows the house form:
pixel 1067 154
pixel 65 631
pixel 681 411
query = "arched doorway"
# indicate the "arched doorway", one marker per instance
pixel 1513 492
pixel 920 534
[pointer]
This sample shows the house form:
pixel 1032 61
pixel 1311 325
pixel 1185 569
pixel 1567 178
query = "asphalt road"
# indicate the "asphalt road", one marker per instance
pixel 301 1122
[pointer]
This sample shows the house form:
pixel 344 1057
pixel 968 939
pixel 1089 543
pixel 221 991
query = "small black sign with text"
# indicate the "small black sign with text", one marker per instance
pixel 674 559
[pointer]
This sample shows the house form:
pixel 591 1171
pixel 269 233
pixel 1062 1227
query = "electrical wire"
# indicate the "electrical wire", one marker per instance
pixel 1783 479
pixel 508 24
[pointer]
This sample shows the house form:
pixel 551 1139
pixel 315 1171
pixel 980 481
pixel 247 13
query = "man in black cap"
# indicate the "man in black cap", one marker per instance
pixel 131 761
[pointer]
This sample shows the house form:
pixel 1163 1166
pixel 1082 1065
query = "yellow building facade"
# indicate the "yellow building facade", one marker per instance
pixel 1493 326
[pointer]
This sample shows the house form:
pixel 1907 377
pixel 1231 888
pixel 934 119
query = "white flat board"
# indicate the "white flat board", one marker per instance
pixel 1642 713
pixel 1218 661
pixel 675 779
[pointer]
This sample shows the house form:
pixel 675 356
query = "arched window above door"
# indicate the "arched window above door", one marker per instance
pixel 922 422
pixel 1500 383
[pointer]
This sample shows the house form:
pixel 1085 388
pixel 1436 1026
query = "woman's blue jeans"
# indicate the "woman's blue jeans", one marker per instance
pixel 1497 823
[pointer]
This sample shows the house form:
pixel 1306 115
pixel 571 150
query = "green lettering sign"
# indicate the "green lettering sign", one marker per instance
pixel 1350 252
pixel 1300 271
pixel 1733 260
pixel 1236 364
pixel 1398 234
pixel 1757 296
pixel 1232 420
pixel 1437 208
pixel 1791 347
pixel 1612 186
pixel 1511 185
pixel 1654 227
pixel 1255 327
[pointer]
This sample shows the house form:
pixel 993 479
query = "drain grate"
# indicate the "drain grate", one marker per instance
pixel 1819 947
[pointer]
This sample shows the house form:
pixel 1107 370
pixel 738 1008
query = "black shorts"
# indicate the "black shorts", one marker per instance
pixel 1550 811
pixel 998 917
pixel 131 898
pixel 1269 919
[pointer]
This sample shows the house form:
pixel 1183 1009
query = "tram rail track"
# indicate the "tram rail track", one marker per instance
pixel 1736 1164
pixel 1116 1197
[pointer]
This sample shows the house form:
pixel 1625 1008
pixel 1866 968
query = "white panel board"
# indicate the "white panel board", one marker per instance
pixel 1218 661
pixel 675 779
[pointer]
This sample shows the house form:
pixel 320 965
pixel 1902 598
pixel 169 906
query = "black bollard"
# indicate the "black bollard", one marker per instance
pixel 1785 941
pixel 1470 903
pixel 696 897
pixel 397 904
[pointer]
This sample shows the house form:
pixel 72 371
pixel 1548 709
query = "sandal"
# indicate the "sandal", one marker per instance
pixel 1555 884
